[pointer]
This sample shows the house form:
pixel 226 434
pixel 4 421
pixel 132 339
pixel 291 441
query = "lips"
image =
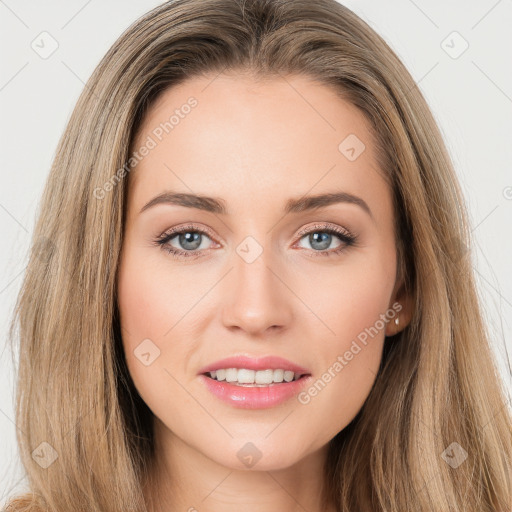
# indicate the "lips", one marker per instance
pixel 262 363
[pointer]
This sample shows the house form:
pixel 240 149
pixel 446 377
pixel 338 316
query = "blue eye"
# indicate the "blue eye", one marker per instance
pixel 321 237
pixel 190 238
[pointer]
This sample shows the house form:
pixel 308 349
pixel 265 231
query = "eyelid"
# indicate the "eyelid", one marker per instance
pixel 325 225
pixel 306 230
pixel 189 227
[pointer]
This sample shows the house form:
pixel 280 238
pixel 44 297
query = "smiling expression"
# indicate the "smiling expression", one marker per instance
pixel 259 225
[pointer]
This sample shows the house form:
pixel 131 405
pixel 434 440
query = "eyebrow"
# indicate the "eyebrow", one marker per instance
pixel 218 206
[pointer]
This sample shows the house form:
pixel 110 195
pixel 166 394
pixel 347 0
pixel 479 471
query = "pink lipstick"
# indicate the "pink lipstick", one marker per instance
pixel 249 383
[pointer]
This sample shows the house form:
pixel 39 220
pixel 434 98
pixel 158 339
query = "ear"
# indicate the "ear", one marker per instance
pixel 403 311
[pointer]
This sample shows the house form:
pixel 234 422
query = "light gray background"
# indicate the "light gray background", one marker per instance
pixel 471 96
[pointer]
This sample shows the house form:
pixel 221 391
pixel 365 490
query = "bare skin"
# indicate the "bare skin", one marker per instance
pixel 255 145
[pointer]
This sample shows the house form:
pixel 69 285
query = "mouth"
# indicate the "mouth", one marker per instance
pixel 245 388
pixel 254 378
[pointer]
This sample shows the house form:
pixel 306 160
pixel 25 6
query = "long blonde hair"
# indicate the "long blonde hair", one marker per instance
pixel 438 383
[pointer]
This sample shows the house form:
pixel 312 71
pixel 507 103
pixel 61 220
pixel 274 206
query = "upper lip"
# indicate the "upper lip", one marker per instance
pixel 261 363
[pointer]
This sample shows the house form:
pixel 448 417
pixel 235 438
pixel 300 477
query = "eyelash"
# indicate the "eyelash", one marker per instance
pixel 343 234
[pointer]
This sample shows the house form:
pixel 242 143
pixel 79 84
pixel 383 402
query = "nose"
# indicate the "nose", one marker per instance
pixel 256 298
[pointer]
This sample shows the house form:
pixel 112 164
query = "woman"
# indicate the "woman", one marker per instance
pixel 182 347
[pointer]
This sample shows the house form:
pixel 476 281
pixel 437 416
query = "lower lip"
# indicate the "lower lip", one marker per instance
pixel 245 397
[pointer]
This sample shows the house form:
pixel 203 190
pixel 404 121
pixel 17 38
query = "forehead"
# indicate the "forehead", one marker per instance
pixel 244 139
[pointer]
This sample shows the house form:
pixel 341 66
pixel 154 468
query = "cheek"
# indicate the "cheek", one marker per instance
pixel 352 297
pixel 153 310
pixel 352 303
pixel 153 299
pixel 150 307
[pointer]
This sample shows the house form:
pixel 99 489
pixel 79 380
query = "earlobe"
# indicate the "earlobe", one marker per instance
pixel 402 306
pixel 393 326
pixel 403 315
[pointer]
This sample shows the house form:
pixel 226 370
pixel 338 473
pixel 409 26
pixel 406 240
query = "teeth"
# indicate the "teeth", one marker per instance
pixel 259 377
pixel 231 374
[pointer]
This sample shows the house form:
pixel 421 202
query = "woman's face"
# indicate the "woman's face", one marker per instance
pixel 259 270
